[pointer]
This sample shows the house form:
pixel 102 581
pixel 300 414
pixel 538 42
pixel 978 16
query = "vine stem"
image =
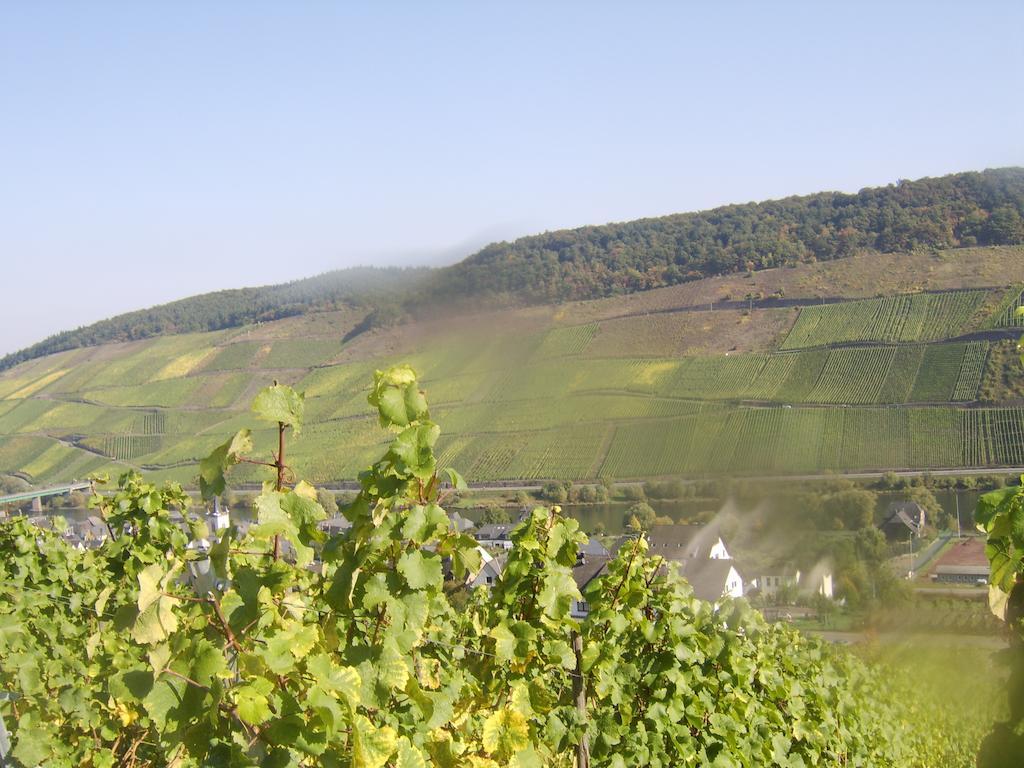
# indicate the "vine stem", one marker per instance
pixel 257 462
pixel 625 576
pixel 228 633
pixel 180 676
pixel 279 463
pixel 186 598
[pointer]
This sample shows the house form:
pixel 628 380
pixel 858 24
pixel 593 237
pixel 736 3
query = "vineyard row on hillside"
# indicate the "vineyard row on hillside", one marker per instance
pixel 905 318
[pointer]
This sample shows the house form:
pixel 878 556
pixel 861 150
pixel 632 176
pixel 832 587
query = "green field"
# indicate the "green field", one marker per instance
pixel 865 384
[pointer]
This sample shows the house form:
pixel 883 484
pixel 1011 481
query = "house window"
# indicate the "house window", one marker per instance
pixel 582 607
pixel 490 579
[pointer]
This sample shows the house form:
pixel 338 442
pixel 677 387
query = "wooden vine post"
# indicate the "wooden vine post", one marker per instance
pixel 580 691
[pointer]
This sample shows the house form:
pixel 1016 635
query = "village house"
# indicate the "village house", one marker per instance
pixel 89 533
pixel 594 548
pixel 495 535
pixel 702 556
pixel 489 573
pixel 904 519
pixel 588 568
pixel 772 580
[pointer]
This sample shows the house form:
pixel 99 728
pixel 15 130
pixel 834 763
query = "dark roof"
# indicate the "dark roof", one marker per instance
pixel 707 577
pixel 460 523
pixel 496 564
pixel 589 569
pixel 91 526
pixel 594 547
pixel 905 513
pixel 682 542
pixel 494 531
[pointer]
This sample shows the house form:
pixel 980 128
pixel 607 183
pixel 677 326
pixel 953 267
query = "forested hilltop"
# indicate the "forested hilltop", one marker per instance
pixel 357 288
pixel 966 209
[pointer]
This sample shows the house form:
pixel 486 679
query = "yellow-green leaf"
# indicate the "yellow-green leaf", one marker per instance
pixel 371 746
pixel 505 733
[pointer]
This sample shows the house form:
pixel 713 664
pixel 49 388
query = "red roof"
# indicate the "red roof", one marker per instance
pixel 965 552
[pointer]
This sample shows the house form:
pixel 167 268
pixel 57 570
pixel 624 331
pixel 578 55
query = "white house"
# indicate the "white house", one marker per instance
pixel 816 581
pixel 702 556
pixel 489 573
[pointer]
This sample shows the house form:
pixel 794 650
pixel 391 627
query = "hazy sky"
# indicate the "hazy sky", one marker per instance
pixel 150 151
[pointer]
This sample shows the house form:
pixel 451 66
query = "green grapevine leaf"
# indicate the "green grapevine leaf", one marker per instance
pixel 397 397
pixel 282 404
pixel 213 467
pixel 252 704
pixel 421 570
pixel 413 450
pixel 424 523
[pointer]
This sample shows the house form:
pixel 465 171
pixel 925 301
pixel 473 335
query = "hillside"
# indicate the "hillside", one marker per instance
pixel 361 288
pixel 873 362
pixel 955 211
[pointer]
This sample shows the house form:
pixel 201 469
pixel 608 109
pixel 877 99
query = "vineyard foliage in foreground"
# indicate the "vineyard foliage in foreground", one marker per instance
pixel 1000 515
pixel 281 647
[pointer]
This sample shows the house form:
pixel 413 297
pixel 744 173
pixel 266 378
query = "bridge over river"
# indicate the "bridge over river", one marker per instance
pixel 36 496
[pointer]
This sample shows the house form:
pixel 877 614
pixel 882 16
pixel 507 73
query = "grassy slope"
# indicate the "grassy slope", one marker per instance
pixel 641 385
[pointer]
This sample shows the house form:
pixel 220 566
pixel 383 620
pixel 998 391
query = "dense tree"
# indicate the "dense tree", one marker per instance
pixel 496 515
pixel 853 508
pixel 13 484
pixel 640 515
pixel 634 493
pixel 556 491
pixel 946 212
pixel 669 489
pixel 936 514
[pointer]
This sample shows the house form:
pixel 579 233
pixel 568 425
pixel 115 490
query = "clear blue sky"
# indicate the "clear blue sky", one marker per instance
pixel 150 151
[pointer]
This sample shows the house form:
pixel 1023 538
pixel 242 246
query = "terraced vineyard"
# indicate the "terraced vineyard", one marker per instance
pixel 1006 315
pixel 852 375
pixel 865 384
pixel 916 317
pixel 972 367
